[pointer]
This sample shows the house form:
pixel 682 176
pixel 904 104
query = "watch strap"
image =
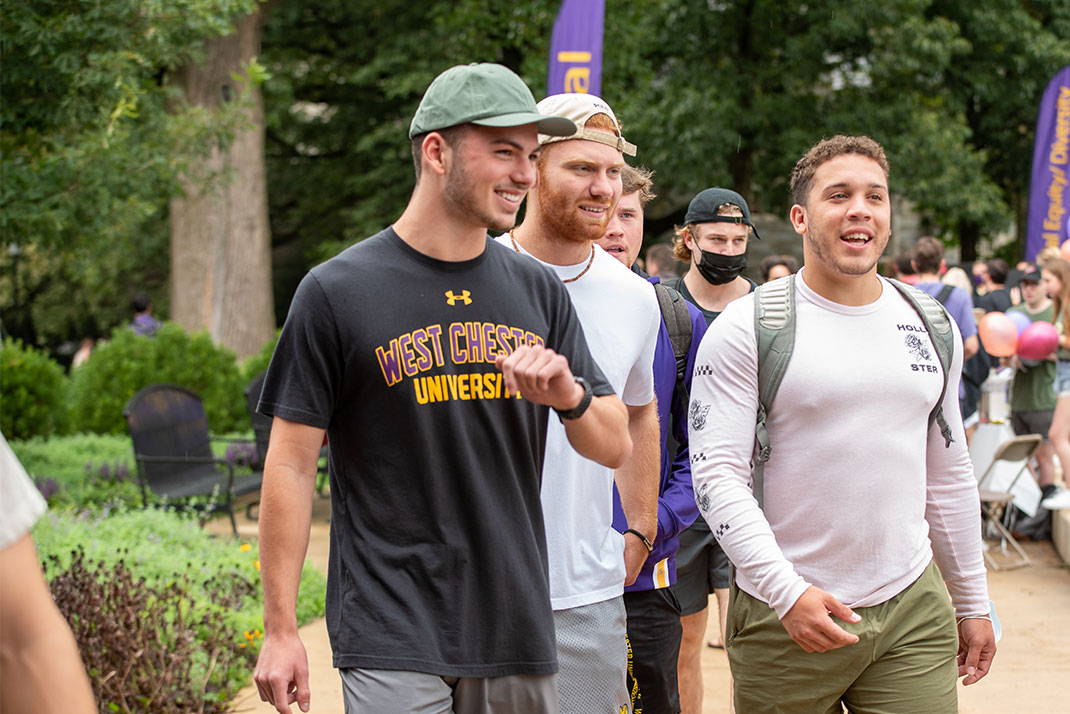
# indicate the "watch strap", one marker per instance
pixel 577 411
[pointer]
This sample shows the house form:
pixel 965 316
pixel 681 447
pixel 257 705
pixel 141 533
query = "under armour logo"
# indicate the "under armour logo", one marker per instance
pixel 452 298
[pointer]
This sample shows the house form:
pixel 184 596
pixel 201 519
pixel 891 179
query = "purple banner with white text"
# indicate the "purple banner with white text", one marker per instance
pixel 1049 192
pixel 576 48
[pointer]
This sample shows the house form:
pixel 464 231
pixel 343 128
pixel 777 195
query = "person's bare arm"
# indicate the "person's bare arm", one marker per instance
pixel 543 376
pixel 281 673
pixel 39 659
pixel 637 482
pixel 970 345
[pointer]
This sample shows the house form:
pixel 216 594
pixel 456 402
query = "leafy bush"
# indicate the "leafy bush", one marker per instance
pixel 255 364
pixel 147 646
pixel 86 470
pixel 118 369
pixel 161 603
pixel 32 392
pixel 98 470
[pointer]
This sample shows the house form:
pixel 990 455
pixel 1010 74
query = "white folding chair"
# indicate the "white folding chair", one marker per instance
pixel 994 501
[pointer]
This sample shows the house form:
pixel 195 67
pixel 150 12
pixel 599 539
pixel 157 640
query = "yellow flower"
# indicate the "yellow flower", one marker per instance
pixel 257 564
pixel 245 548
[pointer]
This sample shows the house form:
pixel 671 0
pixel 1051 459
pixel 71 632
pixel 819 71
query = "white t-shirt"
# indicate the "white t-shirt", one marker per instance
pixel 22 503
pixel 620 317
pixel 859 493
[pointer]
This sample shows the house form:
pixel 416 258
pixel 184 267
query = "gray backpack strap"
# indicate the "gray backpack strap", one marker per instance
pixel 938 325
pixel 774 329
pixel 678 324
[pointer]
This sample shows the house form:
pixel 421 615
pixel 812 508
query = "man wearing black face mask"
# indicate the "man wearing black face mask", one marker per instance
pixel 713 240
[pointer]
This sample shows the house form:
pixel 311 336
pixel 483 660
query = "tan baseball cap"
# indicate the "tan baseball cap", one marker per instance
pixel 579 108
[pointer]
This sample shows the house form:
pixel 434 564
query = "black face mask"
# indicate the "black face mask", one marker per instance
pixel 720 269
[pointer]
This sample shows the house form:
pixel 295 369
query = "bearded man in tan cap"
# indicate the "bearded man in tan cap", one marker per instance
pixel 577 188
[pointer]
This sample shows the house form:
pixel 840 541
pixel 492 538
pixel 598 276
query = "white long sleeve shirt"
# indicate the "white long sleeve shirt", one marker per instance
pixel 859 493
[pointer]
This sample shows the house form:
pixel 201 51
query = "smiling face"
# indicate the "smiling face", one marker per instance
pixel 624 235
pixel 578 186
pixel 490 172
pixel 846 221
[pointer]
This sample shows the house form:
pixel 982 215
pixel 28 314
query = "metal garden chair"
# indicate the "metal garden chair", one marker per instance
pixel 174 455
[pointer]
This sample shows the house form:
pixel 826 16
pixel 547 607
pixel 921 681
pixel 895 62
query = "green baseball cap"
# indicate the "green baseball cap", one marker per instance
pixel 484 94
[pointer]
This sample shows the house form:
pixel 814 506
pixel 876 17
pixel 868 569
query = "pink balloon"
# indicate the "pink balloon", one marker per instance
pixel 1038 341
pixel 1064 249
pixel 998 334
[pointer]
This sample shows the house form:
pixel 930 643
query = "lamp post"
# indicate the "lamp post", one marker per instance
pixel 15 250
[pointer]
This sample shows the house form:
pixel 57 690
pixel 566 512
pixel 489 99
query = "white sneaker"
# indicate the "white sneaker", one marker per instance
pixel 1058 500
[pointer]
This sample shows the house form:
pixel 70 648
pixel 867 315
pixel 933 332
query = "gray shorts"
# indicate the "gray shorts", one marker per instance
pixel 383 691
pixel 1035 422
pixel 592 658
pixel 701 568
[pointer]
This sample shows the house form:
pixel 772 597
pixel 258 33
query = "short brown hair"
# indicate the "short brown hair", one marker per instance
pixel 662 256
pixel 827 149
pixel 680 249
pixel 927 255
pixel 638 179
pixel 452 135
pixel 771 261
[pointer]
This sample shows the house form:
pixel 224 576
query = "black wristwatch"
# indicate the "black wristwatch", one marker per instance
pixel 577 411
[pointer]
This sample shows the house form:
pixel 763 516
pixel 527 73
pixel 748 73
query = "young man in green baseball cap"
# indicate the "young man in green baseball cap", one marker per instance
pixel 431 357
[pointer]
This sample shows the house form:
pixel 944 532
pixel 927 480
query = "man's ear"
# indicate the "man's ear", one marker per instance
pixel 798 219
pixel 435 153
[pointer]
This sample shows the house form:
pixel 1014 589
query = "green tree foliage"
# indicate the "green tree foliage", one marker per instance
pixel 93 140
pixel 102 386
pixel 728 92
pixel 345 80
pixel 1010 51
pixel 33 390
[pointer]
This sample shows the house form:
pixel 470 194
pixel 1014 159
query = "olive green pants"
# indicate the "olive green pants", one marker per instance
pixel 903 663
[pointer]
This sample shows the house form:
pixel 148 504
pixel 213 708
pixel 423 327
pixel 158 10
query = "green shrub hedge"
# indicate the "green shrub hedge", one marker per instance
pixel 255 364
pixel 85 470
pixel 128 362
pixel 204 602
pixel 32 393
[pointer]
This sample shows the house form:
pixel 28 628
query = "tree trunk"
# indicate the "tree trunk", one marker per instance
pixel 220 238
pixel 969 235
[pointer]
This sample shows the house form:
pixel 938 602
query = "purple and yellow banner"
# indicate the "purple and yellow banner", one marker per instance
pixel 576 48
pixel 1049 193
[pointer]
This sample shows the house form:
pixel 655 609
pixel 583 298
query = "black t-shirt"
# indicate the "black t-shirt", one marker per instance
pixel 438 557
pixel 679 285
pixel 996 300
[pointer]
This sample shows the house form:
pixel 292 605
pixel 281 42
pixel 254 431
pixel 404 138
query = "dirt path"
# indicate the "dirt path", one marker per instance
pixel 1029 674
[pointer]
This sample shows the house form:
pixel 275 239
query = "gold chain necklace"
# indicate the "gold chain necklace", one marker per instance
pixel 590 261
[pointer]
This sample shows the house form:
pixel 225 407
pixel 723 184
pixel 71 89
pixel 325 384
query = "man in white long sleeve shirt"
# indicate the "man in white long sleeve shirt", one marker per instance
pixel 836 597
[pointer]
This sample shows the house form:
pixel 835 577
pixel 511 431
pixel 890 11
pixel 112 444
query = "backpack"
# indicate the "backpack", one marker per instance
pixel 678 324
pixel 774 326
